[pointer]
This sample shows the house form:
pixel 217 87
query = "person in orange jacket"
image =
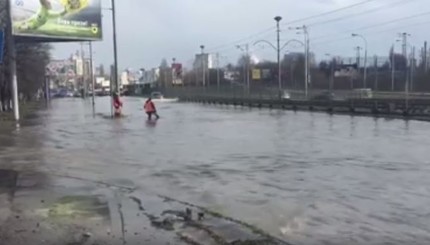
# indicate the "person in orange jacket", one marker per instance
pixel 150 109
pixel 117 104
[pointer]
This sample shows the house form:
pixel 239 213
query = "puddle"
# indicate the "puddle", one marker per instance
pixel 77 207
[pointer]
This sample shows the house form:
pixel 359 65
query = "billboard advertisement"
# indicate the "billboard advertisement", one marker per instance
pixel 346 71
pixel 256 74
pixel 52 20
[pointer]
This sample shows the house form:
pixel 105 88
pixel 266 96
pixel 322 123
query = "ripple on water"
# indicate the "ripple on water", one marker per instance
pixel 309 177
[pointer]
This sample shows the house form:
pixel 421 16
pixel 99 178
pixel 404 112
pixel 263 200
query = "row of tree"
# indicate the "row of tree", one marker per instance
pixel 396 71
pixel 31 61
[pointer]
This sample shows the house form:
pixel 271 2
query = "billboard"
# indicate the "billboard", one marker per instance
pixel 346 71
pixel 256 74
pixel 57 20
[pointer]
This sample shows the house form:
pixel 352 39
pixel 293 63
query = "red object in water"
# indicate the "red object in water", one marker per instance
pixel 117 104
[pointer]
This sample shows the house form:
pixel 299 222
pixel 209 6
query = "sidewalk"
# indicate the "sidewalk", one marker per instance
pixel 36 208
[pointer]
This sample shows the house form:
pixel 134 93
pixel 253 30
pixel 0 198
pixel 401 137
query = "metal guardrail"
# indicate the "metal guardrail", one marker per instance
pixel 273 93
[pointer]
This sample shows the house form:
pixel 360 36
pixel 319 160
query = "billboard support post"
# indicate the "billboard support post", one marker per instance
pixel 12 62
pixel 115 48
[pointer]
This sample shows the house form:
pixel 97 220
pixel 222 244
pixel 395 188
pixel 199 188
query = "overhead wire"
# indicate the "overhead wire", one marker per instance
pixel 383 7
pixel 329 12
pixel 219 47
pixel 374 25
pixel 374 33
pixel 231 45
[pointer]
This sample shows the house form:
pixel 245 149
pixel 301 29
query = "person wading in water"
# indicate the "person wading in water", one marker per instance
pixel 150 109
pixel 117 105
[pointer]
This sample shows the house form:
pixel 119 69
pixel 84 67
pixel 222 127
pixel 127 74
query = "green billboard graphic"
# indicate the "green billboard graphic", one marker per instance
pixel 52 20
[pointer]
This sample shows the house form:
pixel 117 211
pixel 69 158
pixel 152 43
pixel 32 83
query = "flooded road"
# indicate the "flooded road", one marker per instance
pixel 306 178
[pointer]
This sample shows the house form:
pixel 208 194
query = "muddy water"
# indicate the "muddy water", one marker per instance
pixel 303 177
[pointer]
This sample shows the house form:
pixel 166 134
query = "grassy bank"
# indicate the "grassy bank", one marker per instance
pixel 27 110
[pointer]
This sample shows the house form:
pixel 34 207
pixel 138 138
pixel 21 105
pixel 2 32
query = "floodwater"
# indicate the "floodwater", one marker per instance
pixel 308 178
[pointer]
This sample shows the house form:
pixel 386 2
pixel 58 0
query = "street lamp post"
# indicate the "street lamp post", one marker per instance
pixel 218 77
pixel 246 77
pixel 278 39
pixel 331 82
pixel 307 68
pixel 365 57
pixel 278 52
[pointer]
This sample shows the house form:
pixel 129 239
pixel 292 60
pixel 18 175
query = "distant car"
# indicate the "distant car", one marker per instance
pixel 324 96
pixel 156 95
pixel 286 95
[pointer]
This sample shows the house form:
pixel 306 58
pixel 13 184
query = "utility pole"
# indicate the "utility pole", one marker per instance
pixel 333 63
pixel 365 58
pixel 84 75
pixel 218 78
pixel 376 72
pixel 404 36
pixel 92 72
pixel 358 58
pixel 307 75
pixel 115 49
pixel 306 44
pixel 425 57
pixel 412 69
pixel 202 47
pixel 248 83
pixel 393 67
pixel 358 49
pixel 246 65
pixel 174 71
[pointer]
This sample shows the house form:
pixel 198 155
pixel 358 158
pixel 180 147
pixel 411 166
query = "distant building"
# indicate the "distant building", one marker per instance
pixel 63 73
pixel 149 77
pixel 124 78
pixel 177 73
pixel 203 60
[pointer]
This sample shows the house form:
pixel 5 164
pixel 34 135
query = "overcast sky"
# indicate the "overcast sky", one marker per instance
pixel 149 30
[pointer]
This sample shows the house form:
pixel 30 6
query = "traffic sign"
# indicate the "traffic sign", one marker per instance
pixel 1 46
